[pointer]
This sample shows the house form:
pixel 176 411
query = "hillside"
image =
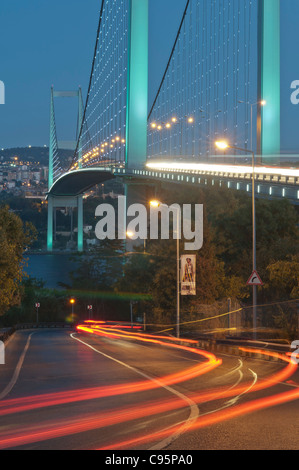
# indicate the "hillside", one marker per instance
pixel 34 155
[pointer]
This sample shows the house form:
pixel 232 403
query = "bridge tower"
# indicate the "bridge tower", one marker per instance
pixel 269 79
pixel 55 170
pixel 137 88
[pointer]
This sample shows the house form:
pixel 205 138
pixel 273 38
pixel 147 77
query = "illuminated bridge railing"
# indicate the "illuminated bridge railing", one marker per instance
pixel 271 182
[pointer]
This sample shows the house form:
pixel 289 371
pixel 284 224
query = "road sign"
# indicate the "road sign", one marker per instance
pixel 255 280
pixel 37 305
pixel 89 307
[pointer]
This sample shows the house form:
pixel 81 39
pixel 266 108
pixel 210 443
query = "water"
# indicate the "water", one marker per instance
pixel 51 268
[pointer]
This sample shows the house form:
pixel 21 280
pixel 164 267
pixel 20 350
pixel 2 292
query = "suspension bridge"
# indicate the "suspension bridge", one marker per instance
pixel 221 83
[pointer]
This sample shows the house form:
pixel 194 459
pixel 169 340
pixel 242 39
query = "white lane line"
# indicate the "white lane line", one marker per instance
pixel 169 440
pixel 15 377
pixel 194 411
pixel 228 404
pixel 234 400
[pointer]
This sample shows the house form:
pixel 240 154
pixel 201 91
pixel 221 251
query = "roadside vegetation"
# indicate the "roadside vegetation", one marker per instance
pixel 109 278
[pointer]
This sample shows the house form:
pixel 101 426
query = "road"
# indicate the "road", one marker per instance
pixel 64 391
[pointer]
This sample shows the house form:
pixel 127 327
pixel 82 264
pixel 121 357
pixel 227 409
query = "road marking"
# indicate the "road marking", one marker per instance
pixel 194 411
pixel 15 377
pixel 228 404
pixel 234 400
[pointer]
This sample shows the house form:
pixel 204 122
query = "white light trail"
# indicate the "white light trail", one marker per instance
pixel 231 169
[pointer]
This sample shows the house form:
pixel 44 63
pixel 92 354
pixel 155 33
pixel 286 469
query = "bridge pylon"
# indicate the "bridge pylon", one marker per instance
pixel 269 116
pixel 55 170
pixel 137 86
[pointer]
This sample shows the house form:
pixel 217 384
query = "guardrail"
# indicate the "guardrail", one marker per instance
pixel 268 186
pixel 40 325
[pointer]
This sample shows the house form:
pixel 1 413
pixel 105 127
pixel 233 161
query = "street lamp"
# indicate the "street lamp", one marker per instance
pixel 261 103
pixel 131 236
pixel 156 204
pixel 223 145
pixel 72 302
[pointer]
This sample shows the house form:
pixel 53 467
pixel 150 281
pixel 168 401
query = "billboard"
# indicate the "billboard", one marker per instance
pixel 188 275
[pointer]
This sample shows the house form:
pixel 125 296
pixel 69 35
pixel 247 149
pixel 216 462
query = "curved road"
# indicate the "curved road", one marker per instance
pixel 64 390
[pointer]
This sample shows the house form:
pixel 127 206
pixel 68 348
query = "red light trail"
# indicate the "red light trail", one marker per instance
pixel 56 429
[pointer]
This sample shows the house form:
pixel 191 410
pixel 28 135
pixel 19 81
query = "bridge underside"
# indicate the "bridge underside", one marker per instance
pixel 78 182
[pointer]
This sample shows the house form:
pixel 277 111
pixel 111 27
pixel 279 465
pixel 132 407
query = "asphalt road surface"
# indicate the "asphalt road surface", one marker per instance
pixel 61 390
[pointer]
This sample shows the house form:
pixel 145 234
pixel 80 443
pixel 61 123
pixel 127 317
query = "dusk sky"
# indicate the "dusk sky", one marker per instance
pixel 52 42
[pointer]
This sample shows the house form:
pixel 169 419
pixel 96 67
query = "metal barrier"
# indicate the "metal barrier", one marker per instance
pixel 31 326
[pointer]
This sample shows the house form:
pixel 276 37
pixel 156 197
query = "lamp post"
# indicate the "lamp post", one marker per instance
pixel 222 145
pixel 258 103
pixel 156 205
pixel 72 302
pixel 37 306
pixel 189 120
pixel 131 235
pixel 159 128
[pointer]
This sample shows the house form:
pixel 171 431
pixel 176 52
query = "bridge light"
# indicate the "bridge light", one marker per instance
pixel 168 125
pixel 174 120
pixel 123 141
pixel 159 128
pixel 191 120
pixel 263 103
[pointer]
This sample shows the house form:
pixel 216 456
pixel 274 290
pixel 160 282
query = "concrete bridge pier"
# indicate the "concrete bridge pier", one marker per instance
pixel 55 202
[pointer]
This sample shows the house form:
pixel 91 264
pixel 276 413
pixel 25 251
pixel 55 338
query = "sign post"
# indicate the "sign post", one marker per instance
pixel 37 306
pixel 255 281
pixel 90 310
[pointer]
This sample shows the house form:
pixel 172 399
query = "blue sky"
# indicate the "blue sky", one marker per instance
pixel 52 42
pixel 47 42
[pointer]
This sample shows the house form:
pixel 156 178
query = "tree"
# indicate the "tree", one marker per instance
pixel 284 278
pixel 15 238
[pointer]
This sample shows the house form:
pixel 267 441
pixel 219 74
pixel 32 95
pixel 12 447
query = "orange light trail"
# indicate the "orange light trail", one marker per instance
pixel 102 331
pixel 217 417
pixel 37 402
pixel 104 419
pixel 231 413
